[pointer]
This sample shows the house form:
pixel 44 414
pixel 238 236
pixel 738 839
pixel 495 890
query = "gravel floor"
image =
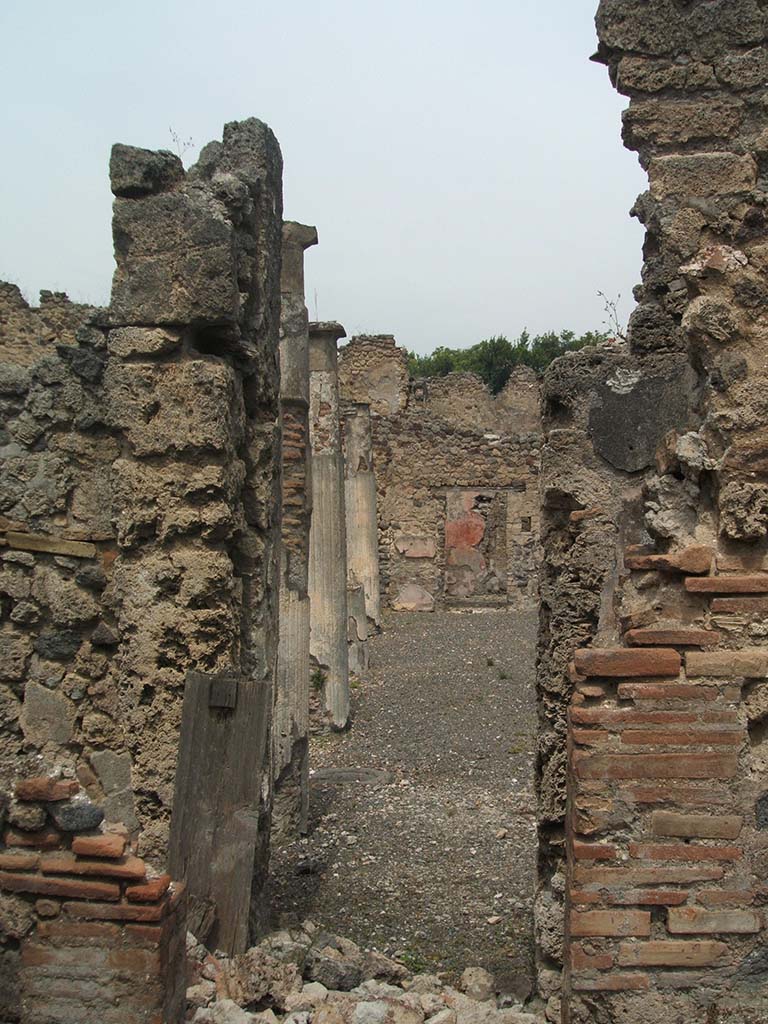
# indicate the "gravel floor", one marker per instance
pixel 422 834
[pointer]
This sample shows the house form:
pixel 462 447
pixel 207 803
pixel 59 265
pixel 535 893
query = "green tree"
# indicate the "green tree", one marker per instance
pixel 493 359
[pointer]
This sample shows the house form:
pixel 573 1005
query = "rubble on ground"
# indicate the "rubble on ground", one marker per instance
pixel 305 975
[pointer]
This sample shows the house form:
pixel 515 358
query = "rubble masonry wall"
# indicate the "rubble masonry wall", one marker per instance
pixel 138 545
pixel 457 477
pixel 652 661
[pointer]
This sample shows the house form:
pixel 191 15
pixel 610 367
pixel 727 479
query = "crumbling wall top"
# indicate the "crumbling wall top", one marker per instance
pixel 374 369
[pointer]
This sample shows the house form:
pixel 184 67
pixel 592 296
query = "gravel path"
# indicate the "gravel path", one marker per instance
pixel 422 833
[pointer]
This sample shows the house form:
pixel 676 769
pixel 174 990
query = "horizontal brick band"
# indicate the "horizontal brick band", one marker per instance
pixel 692 921
pixel 610 922
pixel 132 868
pixel 673 637
pixel 696 826
pixel 658 875
pixel 73 888
pixel 627 663
pixel 752 664
pixel 684 852
pixel 670 953
pixel 656 766
pixel 727 584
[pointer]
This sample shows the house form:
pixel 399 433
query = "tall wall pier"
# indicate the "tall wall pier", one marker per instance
pixel 138 590
pixel 653 677
pixel 360 502
pixel 290 737
pixel 328 536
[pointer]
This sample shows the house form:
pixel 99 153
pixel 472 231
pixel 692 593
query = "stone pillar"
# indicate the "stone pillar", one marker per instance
pixel 192 389
pixel 328 543
pixel 291 721
pixel 360 498
pixel 357 627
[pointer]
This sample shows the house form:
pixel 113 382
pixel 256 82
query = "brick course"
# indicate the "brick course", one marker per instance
pixel 116 941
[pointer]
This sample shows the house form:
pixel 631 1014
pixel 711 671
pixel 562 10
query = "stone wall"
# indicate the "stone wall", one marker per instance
pixel 457 477
pixel 139 524
pixel 652 681
pixel 374 371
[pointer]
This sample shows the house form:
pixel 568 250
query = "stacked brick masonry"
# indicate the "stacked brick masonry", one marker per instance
pixel 89 935
pixel 666 828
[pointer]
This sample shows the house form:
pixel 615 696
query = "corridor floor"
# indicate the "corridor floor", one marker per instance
pixel 422 827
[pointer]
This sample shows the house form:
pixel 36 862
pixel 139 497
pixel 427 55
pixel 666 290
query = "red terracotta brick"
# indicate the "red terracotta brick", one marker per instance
pixel 610 922
pixel 112 912
pixel 69 887
pixel 634 876
pixel 149 892
pixel 591 737
pixel 108 844
pixel 740 605
pixel 612 983
pixel 624 663
pixel 45 839
pixel 594 851
pixel 684 852
pixel 46 789
pixel 727 584
pixel 655 766
pixel 696 826
pixel 581 960
pixel 660 637
pixel 690 738
pixel 750 663
pixel 694 559
pixel 726 897
pixel 670 953
pixel 18 861
pixel 632 897
pixel 68 864
pixel 692 921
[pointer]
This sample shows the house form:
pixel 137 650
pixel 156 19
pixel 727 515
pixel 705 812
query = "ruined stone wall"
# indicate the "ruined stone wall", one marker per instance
pixel 139 508
pixel 374 370
pixel 464 400
pixel 457 477
pixel 653 762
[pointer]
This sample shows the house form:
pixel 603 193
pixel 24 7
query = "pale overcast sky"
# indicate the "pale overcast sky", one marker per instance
pixel 461 158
